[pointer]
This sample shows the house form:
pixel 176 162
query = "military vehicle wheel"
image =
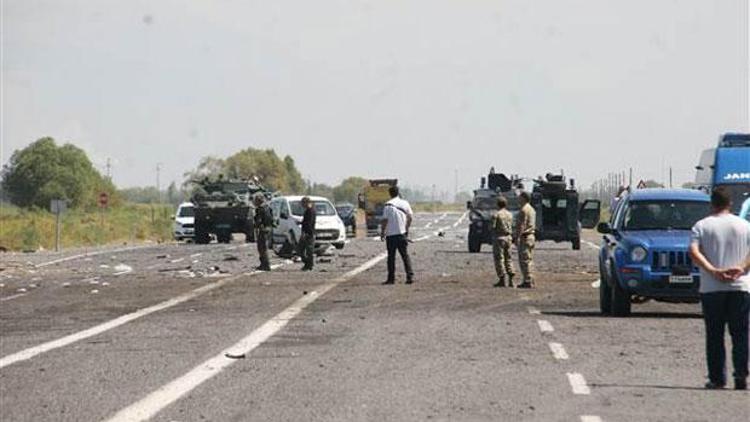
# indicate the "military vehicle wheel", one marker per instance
pixel 620 299
pixel 577 244
pixel 605 294
pixel 224 237
pixel 475 244
pixel 201 236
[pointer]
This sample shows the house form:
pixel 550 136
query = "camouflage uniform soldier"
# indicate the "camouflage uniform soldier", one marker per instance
pixel 523 237
pixel 263 226
pixel 502 228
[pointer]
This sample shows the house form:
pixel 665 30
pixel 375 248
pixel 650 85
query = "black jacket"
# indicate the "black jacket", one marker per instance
pixel 308 221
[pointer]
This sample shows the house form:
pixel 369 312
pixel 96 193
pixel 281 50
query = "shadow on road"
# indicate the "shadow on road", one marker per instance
pixel 659 387
pixel 594 314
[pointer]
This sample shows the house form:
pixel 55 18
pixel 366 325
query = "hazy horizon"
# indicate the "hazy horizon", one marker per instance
pixel 417 90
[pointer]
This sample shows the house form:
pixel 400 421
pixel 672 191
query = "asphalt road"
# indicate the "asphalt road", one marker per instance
pixel 142 334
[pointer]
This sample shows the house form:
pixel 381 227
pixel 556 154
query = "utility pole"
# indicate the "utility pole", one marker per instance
pixel 433 198
pixel 455 196
pixel 670 177
pixel 630 182
pixel 158 181
pixel 109 169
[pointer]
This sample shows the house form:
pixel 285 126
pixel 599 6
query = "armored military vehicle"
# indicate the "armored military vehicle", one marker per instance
pixel 484 205
pixel 559 214
pixel 224 207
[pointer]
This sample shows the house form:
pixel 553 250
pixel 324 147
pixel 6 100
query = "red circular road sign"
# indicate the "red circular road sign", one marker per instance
pixel 103 199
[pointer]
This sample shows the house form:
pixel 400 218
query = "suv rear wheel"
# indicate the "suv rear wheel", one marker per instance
pixel 475 244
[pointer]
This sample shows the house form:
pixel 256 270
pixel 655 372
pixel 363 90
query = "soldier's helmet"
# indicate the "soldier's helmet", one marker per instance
pixel 259 198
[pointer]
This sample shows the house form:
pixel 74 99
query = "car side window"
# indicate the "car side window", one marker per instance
pixel 275 208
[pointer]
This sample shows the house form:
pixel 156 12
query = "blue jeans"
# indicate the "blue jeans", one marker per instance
pixel 719 310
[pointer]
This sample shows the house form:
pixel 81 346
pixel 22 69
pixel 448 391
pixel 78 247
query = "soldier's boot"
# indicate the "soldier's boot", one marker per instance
pixel 500 283
pixel 526 285
pixel 510 280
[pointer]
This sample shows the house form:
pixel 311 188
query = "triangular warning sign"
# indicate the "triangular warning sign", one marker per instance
pixel 641 185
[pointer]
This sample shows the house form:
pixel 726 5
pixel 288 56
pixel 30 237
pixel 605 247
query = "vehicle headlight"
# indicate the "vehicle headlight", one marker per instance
pixel 638 254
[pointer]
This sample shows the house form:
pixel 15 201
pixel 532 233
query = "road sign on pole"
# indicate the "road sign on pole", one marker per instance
pixel 103 200
pixel 58 207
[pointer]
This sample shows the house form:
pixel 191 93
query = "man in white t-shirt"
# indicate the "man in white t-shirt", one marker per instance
pixel 397 218
pixel 720 246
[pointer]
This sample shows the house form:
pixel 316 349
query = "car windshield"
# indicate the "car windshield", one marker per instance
pixel 186 212
pixel 485 203
pixel 322 208
pixel 661 215
pixel 345 209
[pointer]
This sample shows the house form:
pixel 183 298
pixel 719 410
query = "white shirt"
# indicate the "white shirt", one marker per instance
pixel 725 241
pixel 395 212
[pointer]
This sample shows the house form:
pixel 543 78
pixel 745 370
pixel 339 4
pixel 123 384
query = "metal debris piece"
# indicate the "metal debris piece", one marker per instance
pixel 233 356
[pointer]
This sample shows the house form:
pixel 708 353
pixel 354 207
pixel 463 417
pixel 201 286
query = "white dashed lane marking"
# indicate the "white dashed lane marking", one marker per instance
pixel 545 326
pixel 534 311
pixel 558 351
pixel 578 384
pixel 590 418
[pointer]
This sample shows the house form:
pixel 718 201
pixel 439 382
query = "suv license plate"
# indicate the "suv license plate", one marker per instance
pixel 680 279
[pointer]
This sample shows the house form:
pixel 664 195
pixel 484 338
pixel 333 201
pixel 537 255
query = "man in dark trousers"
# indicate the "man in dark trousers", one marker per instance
pixel 263 220
pixel 307 237
pixel 397 219
pixel 720 246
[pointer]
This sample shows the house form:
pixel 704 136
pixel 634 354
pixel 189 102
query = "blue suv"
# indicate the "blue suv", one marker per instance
pixel 644 253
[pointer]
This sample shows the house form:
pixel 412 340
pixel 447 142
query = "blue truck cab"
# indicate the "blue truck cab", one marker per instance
pixel 644 250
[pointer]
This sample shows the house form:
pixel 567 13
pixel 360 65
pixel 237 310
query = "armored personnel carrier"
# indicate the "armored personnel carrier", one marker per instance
pixel 484 205
pixel 224 207
pixel 559 214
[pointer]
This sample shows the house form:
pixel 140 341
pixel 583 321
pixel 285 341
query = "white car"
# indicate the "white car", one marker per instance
pixel 287 215
pixel 184 222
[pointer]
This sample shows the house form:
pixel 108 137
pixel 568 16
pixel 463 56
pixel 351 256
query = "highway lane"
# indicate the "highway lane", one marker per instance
pixel 450 347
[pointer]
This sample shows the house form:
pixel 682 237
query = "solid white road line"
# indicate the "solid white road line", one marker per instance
pixel 558 351
pixel 90 254
pixel 155 402
pixel 16 296
pixel 578 384
pixel 590 244
pixel 534 311
pixel 460 220
pixel 545 326
pixel 101 328
pixel 590 418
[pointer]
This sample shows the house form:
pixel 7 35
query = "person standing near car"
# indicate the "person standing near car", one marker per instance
pixel 502 229
pixel 307 237
pixel 263 220
pixel 394 229
pixel 524 228
pixel 720 246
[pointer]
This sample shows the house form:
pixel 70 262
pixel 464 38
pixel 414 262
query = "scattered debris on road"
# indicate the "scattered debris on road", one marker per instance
pixel 231 356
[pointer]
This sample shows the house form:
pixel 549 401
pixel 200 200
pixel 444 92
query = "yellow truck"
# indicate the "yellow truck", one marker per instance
pixel 372 200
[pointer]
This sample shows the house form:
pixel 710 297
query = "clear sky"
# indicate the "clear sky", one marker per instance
pixel 414 89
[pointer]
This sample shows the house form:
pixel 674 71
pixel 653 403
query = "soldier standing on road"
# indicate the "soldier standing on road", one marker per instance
pixel 397 218
pixel 307 238
pixel 502 228
pixel 523 237
pixel 263 225
pixel 720 246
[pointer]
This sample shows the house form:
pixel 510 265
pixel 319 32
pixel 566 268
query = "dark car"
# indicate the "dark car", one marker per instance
pixel 644 252
pixel 348 214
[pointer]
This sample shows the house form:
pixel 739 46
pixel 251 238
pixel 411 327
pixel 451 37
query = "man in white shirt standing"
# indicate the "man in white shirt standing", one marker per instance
pixel 397 218
pixel 720 246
